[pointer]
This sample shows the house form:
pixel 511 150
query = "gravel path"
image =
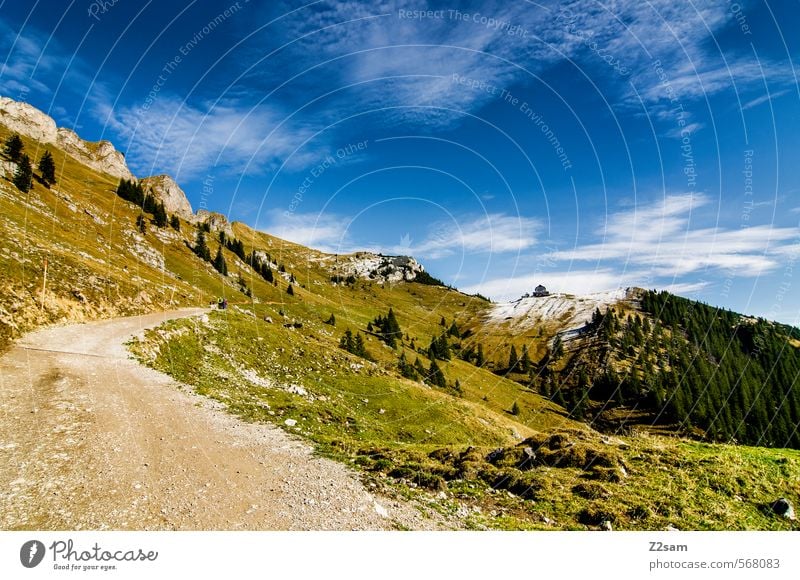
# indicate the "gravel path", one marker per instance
pixel 90 439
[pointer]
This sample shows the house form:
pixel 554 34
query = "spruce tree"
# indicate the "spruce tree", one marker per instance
pixel 200 247
pixel 24 174
pixel 175 223
pixel 453 331
pixel 141 224
pixel 14 148
pixel 160 215
pixel 346 341
pixel 290 290
pixel 525 361
pixel 419 368
pixel 47 167
pixel 513 359
pixel 436 376
pixel 219 262
pixel 480 359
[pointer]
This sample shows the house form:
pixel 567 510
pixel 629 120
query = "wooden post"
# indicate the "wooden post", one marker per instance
pixel 44 282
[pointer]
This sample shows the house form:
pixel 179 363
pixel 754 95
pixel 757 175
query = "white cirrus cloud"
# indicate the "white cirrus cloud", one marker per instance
pixel 661 238
pixel 495 233
pixel 183 139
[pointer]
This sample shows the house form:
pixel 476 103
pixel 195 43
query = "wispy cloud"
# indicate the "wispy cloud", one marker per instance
pixel 404 65
pixel 493 233
pixel 763 99
pixel 324 232
pixel 662 239
pixel 185 139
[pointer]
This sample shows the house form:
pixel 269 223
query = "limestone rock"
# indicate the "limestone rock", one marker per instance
pixel 216 221
pixel 170 194
pixel 27 120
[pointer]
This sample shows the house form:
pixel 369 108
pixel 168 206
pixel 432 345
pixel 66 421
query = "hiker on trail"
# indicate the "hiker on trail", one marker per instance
pixel 225 304
pixel 219 303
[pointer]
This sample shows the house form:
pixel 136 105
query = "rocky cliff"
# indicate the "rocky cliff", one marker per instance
pixel 30 121
pixel 171 195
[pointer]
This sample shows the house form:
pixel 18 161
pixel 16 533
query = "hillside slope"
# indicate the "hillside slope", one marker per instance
pixel 492 412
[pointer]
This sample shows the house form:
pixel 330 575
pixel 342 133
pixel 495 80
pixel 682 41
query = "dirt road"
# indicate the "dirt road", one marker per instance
pixel 90 439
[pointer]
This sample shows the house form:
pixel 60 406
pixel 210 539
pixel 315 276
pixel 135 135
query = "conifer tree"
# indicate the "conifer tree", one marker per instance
pixel 200 247
pixel 290 290
pixel 436 376
pixel 525 361
pixel 14 148
pixel 175 223
pixel 219 262
pixel 47 167
pixel 419 368
pixel 513 359
pixel 160 215
pixel 453 330
pixel 24 175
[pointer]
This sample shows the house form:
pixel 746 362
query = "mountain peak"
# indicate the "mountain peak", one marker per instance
pixel 27 120
pixel 170 194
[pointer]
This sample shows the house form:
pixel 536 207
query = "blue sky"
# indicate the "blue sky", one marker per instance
pixel 586 145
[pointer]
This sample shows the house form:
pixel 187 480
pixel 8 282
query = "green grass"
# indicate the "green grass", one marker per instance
pixel 406 437
pixel 403 435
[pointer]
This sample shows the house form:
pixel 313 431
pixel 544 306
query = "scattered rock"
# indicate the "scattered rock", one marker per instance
pixel 783 508
pixel 268 319
pixel 79 296
pixel 297 390
pixel 605 526
pixel 290 422
pixel 380 510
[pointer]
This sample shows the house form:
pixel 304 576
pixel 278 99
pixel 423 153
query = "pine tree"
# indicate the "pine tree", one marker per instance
pixel 436 376
pixel 453 330
pixel 480 359
pixel 406 369
pixel 419 368
pixel 24 174
pixel 175 223
pixel 47 167
pixel 515 409
pixel 160 215
pixel 331 320
pixel 525 361
pixel 141 224
pixel 346 341
pixel 359 348
pixel 200 247
pixel 513 359
pixel 219 262
pixel 290 290
pixel 14 148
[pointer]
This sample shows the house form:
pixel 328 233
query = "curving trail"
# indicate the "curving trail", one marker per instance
pixel 90 439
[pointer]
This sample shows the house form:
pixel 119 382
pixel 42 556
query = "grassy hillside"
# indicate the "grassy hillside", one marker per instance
pixel 430 407
pixel 468 455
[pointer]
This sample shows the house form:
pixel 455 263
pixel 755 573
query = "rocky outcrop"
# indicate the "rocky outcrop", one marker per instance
pixel 380 268
pixel 216 221
pixel 27 120
pixel 170 194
